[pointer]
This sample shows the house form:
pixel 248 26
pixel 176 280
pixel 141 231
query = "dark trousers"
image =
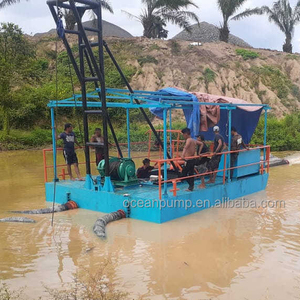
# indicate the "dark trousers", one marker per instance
pixel 188 170
pixel 233 158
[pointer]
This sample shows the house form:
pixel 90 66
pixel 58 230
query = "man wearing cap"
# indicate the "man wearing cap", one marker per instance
pixel 236 143
pixel 68 136
pixel 219 144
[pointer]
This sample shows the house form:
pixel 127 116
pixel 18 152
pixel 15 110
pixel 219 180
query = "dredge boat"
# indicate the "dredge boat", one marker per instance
pixel 117 187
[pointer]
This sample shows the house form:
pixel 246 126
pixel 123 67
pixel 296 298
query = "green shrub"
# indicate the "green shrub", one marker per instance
pixel 175 47
pixel 247 54
pixel 282 135
pixel 274 79
pixel 147 60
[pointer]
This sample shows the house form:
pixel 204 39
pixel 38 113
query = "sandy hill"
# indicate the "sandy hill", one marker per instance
pixel 270 77
pixel 109 29
pixel 207 33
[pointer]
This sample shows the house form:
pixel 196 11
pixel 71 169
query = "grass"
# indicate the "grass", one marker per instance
pixel 209 76
pixel 247 54
pixel 147 60
pixel 273 78
pixel 175 47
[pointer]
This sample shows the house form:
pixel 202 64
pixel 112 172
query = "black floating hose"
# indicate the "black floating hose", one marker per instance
pixel 67 206
pixel 17 220
pixel 99 227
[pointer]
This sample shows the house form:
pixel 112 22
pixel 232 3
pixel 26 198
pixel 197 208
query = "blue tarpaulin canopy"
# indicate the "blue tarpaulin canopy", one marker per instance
pixel 244 118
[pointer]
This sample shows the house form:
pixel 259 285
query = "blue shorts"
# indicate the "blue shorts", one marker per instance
pixel 70 157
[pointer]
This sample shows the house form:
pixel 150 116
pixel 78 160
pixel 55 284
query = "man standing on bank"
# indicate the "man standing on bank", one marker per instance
pixel 219 144
pixel 68 136
pixel 236 143
pixel 188 151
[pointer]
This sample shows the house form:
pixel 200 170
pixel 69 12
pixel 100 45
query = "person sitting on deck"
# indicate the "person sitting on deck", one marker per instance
pixel 219 145
pixel 99 150
pixel 201 162
pixel 236 143
pixel 69 138
pixel 188 151
pixel 144 171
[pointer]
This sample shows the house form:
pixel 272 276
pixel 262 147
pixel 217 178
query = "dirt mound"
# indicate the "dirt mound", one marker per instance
pixel 109 30
pixel 207 33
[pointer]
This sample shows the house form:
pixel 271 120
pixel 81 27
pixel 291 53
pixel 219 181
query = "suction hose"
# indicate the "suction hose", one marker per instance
pixel 67 206
pixel 99 227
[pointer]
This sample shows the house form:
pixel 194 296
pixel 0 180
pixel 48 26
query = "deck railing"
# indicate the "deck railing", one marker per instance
pixel 264 167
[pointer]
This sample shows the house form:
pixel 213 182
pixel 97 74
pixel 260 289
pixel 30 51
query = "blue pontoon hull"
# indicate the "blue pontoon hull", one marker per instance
pixel 144 203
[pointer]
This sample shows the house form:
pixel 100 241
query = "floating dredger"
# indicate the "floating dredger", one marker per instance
pixel 117 187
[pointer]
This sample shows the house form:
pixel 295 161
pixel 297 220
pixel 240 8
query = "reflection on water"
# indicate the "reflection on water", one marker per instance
pixel 230 253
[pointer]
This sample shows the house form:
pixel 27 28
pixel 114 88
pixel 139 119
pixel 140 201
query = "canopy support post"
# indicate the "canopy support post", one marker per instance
pixel 265 134
pixel 170 127
pixel 128 132
pixel 229 144
pixel 165 153
pixel 55 179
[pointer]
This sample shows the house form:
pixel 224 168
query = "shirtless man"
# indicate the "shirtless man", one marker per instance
pixel 188 151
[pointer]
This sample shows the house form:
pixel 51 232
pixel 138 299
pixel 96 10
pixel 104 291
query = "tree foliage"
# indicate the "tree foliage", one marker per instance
pixel 282 14
pixel 157 13
pixel 18 67
pixel 5 3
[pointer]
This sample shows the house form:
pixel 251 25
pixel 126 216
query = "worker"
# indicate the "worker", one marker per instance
pixel 99 149
pixel 219 145
pixel 188 152
pixel 236 144
pixel 145 170
pixel 69 138
pixel 202 161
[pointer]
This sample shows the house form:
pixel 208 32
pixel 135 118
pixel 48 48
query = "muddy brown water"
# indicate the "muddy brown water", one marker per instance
pixel 219 253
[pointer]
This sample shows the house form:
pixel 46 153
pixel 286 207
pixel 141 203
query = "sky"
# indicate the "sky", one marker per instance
pixel 34 17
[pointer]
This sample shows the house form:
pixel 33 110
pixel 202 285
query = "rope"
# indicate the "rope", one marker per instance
pixel 59 14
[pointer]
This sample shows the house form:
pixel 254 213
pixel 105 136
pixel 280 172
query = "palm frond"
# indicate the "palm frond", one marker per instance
pixel 229 7
pixel 131 16
pixel 254 11
pixel 296 13
pixel 176 4
pixel 180 18
pixel 5 3
pixel 106 5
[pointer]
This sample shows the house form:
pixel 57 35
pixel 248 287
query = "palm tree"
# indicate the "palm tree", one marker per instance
pixel 228 8
pixel 282 15
pixel 4 3
pixel 157 13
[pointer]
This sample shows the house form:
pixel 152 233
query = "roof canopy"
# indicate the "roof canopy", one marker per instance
pixel 202 111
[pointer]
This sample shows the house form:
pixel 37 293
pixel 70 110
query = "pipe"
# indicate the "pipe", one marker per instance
pixel 17 220
pixel 99 227
pixel 67 206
